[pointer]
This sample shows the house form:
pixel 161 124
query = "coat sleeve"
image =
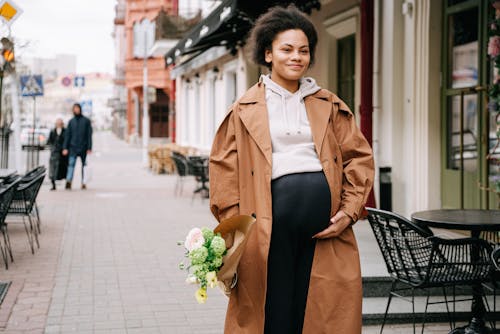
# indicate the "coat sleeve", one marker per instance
pixel 67 136
pixel 357 158
pixel 89 134
pixel 52 138
pixel 223 171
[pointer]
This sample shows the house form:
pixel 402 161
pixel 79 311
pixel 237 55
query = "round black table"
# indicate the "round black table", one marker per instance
pixel 474 221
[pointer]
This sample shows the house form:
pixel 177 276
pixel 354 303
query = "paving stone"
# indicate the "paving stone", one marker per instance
pixel 108 257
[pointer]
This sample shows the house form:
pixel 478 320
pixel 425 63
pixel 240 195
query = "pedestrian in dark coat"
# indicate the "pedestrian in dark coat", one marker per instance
pixel 77 143
pixel 58 164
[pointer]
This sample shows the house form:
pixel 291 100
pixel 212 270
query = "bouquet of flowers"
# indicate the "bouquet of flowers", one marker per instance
pixel 205 250
pixel 211 263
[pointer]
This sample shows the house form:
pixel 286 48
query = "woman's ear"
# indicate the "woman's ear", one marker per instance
pixel 268 56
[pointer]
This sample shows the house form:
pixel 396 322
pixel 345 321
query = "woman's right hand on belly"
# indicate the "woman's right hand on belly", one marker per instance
pixel 338 224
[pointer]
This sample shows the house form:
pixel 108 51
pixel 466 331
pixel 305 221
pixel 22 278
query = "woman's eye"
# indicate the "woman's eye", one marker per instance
pixel 304 52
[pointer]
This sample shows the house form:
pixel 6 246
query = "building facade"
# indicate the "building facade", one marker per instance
pixel 140 29
pixel 430 69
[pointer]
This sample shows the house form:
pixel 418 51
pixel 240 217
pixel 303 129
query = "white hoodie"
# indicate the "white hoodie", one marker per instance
pixel 291 137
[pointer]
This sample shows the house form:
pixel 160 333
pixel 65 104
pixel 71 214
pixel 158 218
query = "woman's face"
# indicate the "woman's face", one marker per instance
pixel 289 56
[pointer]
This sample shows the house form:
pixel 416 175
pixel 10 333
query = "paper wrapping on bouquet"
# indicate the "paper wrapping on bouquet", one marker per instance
pixel 241 226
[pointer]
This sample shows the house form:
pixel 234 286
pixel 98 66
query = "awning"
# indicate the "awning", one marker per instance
pixel 228 25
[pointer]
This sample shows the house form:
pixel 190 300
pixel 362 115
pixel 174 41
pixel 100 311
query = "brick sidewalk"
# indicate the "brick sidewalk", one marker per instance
pixel 108 257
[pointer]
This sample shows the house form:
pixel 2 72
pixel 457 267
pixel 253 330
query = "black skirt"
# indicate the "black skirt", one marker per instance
pixel 301 208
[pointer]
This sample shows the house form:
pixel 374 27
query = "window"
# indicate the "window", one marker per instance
pixel 144 37
pixel 346 48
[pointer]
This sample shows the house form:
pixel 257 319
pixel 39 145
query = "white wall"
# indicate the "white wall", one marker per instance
pixel 204 94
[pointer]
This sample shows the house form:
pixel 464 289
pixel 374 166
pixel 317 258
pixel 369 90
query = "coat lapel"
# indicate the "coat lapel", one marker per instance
pixel 253 114
pixel 318 107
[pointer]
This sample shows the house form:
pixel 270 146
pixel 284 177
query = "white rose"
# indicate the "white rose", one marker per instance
pixel 194 239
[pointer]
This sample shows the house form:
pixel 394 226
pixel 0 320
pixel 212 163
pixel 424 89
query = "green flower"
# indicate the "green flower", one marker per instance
pixel 208 234
pixel 200 271
pixel 218 245
pixel 198 255
pixel 217 262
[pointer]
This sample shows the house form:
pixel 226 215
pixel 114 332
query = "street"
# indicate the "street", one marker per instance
pixel 108 257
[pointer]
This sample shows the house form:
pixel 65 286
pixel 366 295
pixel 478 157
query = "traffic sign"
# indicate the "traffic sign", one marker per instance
pixel 9 11
pixel 79 81
pixel 86 107
pixel 31 85
pixel 66 81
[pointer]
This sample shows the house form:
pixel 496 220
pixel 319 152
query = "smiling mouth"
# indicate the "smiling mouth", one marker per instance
pixel 296 66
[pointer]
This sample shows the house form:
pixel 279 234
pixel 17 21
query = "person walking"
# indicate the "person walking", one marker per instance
pixel 291 153
pixel 58 163
pixel 77 143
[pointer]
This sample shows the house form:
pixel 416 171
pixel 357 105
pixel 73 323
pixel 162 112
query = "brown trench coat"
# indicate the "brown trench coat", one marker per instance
pixel 240 183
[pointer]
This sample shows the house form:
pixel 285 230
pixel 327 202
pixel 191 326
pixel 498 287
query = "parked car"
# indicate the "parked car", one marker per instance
pixel 39 138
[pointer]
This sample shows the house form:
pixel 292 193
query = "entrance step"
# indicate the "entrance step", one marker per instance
pixel 376 292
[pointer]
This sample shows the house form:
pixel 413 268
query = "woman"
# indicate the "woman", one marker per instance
pixel 291 153
pixel 58 163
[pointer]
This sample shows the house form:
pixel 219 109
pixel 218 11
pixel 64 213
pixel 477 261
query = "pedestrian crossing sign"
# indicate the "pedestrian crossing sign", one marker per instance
pixel 31 85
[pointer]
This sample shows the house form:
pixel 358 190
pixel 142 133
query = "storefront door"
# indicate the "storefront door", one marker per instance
pixel 464 105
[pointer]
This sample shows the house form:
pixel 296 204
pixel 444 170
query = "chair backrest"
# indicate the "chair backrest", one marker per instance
pixel 32 174
pixel 493 237
pixel 6 197
pixel 28 191
pixel 405 246
pixel 459 261
pixel 197 167
pixel 495 258
pixel 180 163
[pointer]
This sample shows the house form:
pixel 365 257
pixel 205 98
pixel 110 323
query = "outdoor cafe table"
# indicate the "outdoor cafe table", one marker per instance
pixel 474 221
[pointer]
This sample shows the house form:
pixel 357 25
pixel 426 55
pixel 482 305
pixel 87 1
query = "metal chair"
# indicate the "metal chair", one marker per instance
pixel 23 205
pixel 492 285
pixel 416 259
pixel 199 169
pixel 495 257
pixel 32 174
pixel 182 168
pixel 6 197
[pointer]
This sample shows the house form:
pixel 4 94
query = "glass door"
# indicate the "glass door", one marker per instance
pixel 464 115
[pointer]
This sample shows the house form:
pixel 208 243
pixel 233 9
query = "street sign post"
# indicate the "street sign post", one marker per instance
pixel 32 86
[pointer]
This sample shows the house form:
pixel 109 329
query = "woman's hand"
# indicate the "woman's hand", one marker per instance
pixel 338 224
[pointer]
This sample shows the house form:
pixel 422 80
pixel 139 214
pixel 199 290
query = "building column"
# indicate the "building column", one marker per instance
pixel 424 107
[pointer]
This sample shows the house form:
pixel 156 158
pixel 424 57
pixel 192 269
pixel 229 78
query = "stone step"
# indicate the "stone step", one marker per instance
pixel 376 292
pixel 379 286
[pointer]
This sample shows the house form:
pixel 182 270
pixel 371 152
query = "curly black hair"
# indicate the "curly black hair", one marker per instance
pixel 276 20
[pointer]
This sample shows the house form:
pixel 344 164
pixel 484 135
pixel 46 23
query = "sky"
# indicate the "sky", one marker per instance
pixel 80 27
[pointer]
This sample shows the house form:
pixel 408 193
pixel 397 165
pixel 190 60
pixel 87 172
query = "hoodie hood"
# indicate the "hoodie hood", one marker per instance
pixel 291 104
pixel 307 86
